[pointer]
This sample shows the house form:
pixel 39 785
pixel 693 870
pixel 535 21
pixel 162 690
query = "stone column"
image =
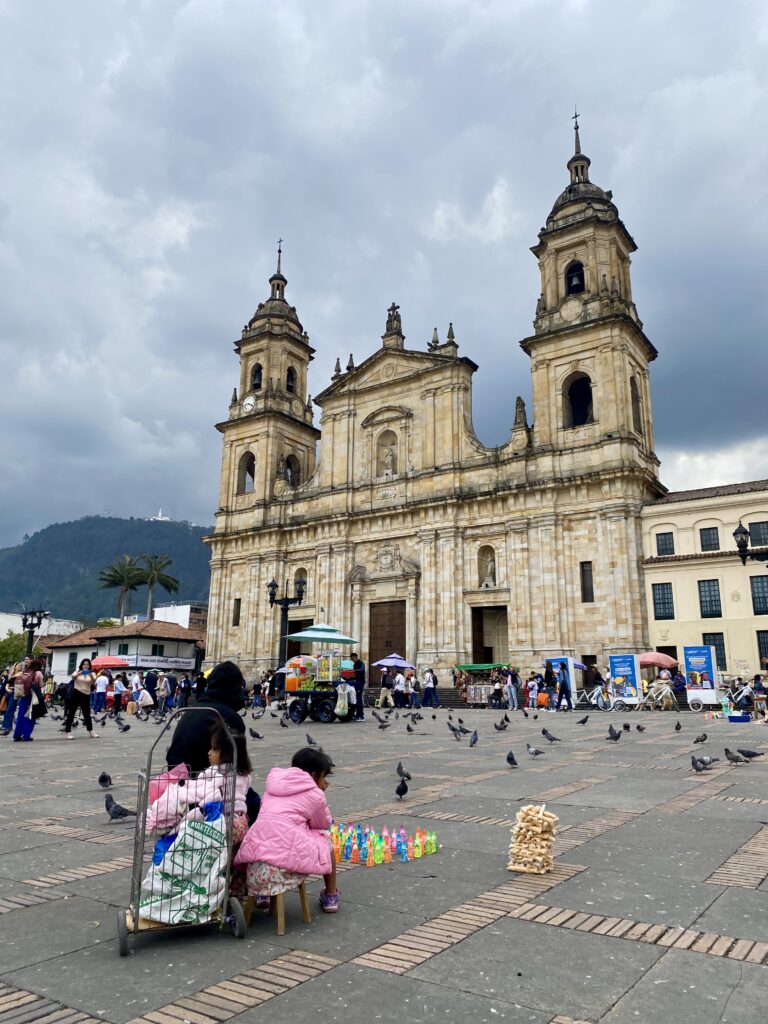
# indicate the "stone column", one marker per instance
pixel 412 621
pixel 430 591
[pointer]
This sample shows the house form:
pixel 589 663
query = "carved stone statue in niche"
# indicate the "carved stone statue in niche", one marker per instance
pixel 490 570
pixel 389 461
pixel 521 420
pixel 280 474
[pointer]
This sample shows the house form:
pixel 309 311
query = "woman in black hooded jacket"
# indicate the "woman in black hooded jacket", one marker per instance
pixel 224 693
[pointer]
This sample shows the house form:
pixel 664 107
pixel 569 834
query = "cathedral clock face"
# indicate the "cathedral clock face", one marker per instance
pixel 249 404
pixel 570 309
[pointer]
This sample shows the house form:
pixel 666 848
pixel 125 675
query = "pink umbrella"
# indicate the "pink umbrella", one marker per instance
pixel 649 658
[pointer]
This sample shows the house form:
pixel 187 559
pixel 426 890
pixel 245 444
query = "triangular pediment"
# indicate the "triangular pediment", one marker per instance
pixel 386 366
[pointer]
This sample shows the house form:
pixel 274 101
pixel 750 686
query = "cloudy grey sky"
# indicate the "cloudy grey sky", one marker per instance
pixel 153 150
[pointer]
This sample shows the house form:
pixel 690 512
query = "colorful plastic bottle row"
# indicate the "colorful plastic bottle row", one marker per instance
pixel 360 844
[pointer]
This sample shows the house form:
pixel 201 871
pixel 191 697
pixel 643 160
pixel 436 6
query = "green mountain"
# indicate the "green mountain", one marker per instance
pixel 58 567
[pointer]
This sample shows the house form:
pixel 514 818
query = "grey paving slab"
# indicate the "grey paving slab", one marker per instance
pixel 591 972
pixel 680 988
pixel 52 857
pixel 40 932
pixel 742 913
pixel 160 968
pixel 351 992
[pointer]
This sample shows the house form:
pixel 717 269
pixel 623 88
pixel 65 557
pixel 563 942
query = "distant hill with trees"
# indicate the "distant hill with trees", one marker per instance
pixel 58 567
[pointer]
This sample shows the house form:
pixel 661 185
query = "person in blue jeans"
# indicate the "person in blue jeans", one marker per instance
pixel 10 709
pixel 564 686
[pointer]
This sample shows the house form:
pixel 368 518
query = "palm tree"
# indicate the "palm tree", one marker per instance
pixel 154 575
pixel 123 575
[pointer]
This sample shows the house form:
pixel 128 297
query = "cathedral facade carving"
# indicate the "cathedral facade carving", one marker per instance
pixel 412 535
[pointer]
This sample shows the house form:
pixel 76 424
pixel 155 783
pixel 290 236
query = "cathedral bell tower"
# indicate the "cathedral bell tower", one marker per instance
pixel 589 353
pixel 269 437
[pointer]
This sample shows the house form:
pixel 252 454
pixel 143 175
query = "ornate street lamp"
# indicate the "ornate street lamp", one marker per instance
pixel 284 603
pixel 741 536
pixel 30 623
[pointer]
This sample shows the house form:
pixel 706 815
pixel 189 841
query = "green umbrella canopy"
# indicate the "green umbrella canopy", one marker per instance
pixel 322 633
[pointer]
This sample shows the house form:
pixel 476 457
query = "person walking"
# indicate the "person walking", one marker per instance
pixel 430 698
pixel 117 694
pixel 79 696
pixel 28 689
pixel 385 696
pixel 359 669
pixel 150 684
pixel 564 687
pixel 100 695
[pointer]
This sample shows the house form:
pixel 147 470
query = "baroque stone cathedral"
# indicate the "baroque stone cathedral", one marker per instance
pixel 409 533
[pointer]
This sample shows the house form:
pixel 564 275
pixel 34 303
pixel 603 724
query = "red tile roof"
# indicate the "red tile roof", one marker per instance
pixel 748 487
pixel 154 628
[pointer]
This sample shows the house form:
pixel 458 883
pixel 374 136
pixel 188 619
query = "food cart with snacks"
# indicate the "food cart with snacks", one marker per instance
pixel 311 682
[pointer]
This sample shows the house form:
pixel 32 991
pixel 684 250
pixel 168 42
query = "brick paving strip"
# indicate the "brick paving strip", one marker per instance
pixel 244 991
pixel 87 835
pixel 662 935
pixel 17 1006
pixel 424 941
pixel 694 796
pixel 571 787
pixel 748 867
pixel 26 899
pixel 103 867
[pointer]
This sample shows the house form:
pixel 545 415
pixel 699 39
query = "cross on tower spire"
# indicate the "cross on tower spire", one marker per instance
pixel 575 120
pixel 279 254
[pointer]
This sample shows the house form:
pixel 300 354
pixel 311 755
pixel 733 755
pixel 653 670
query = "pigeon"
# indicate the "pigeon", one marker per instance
pixel 402 772
pixel 460 721
pixel 283 724
pixel 678 727
pixel 434 718
pixel 75 724
pixel 583 721
pixel 613 732
pixel 749 754
pixel 548 736
pixel 409 728
pixel 735 758
pixel 707 760
pixel 105 781
pixel 626 727
pixel 473 739
pixel 377 716
pixel 701 738
pixel 640 728
pixel 511 760
pixel 535 717
pixel 103 721
pixel 123 727
pixel 463 731
pixel 311 742
pixel 500 728
pixel 534 751
pixel 273 713
pixel 258 713
pixel 507 719
pixel 397 714
pixel 255 735
pixel 450 717
pixel 525 713
pixel 384 725
pixel 402 788
pixel 115 811
pixel 697 765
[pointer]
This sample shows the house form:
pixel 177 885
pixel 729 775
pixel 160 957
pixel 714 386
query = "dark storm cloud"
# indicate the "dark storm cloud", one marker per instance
pixel 152 152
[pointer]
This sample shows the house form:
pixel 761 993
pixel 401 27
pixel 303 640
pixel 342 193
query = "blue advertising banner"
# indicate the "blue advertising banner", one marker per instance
pixel 569 668
pixel 625 675
pixel 700 668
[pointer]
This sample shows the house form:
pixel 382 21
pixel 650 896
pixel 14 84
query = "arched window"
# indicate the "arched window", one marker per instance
pixel 292 471
pixel 574 278
pixel 386 454
pixel 637 415
pixel 256 375
pixel 577 401
pixel 246 473
pixel 486 566
pixel 290 381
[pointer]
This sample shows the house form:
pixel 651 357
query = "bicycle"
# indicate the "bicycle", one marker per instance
pixel 654 699
pixel 595 698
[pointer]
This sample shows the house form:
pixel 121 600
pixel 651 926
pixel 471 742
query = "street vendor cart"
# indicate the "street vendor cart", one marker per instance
pixel 313 692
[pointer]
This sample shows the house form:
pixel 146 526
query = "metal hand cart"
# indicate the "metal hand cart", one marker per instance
pixel 182 869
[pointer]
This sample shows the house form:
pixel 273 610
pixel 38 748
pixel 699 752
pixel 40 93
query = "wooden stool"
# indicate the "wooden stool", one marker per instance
pixel 277 909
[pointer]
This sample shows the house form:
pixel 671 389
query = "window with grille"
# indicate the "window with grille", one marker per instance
pixel 587 585
pixel 71 662
pixel 758 534
pixel 158 650
pixel 122 649
pixel 665 543
pixel 762 646
pixel 663 604
pixel 709 599
pixel 759 585
pixel 716 640
pixel 710 538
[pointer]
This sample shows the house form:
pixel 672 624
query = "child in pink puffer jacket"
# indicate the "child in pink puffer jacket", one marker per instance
pixel 289 840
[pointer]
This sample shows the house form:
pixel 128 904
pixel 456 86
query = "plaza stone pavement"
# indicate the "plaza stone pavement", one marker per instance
pixel 657 906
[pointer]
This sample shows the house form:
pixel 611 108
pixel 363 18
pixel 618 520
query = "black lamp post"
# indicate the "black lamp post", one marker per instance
pixel 284 603
pixel 30 622
pixel 741 536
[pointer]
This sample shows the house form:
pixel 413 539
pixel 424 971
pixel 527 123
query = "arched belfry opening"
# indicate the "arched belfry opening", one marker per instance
pixel 637 412
pixel 578 406
pixel 290 381
pixel 575 279
pixel 257 375
pixel 246 473
pixel 292 471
